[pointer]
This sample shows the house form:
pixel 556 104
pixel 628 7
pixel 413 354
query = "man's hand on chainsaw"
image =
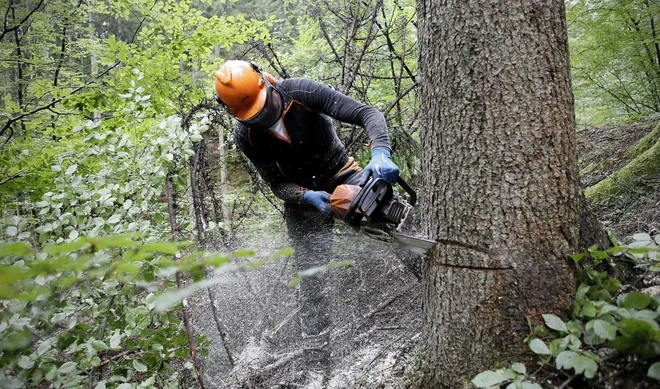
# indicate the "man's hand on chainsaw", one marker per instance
pixel 380 166
pixel 319 199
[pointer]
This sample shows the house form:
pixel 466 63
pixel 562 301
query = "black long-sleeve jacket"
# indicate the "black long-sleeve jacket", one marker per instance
pixel 313 153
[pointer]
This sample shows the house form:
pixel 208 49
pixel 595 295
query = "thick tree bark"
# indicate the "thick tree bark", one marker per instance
pixel 500 188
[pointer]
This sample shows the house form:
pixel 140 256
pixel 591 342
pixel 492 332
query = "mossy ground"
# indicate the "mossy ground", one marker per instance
pixel 620 172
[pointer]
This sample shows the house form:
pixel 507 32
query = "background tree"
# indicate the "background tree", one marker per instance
pixel 500 182
pixel 90 149
pixel 615 57
pixel 364 49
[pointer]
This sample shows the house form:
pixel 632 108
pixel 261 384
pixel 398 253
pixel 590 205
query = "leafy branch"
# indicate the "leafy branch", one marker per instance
pixel 18 25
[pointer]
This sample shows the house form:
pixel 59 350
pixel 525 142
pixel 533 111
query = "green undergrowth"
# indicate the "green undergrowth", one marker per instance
pixel 101 312
pixel 605 323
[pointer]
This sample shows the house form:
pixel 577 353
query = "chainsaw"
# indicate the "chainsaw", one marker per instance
pixel 376 211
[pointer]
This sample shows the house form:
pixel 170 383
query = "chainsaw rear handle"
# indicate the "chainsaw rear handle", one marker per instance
pixel 349 217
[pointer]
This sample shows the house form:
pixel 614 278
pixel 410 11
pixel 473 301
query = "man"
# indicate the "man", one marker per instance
pixel 284 128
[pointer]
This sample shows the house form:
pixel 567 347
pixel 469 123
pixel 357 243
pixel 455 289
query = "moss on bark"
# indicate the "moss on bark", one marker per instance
pixel 635 176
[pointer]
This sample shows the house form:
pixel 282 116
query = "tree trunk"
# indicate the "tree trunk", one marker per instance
pixel 500 188
pixel 224 195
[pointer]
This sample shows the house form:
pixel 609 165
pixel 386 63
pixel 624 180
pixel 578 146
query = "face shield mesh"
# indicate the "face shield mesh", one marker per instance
pixel 269 113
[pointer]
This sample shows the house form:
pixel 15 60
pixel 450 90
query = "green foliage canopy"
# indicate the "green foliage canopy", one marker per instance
pixel 615 56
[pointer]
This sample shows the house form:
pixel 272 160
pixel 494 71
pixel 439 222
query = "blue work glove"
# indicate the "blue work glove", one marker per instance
pixel 380 166
pixel 319 199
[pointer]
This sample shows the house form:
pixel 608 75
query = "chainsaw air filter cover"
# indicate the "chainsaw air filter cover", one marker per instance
pixel 342 198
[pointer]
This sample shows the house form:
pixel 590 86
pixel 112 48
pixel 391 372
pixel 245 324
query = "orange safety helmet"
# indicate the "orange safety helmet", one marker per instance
pixel 242 88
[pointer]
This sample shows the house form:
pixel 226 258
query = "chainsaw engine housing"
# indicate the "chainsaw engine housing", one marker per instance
pixel 373 204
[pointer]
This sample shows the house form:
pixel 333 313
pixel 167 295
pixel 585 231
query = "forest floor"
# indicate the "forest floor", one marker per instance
pixel 375 303
pixel 602 152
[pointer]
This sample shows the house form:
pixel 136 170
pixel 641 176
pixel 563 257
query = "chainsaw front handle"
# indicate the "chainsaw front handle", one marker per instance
pixel 408 189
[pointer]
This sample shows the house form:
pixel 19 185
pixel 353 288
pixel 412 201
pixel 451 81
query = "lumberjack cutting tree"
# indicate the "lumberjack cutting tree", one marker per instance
pixel 284 128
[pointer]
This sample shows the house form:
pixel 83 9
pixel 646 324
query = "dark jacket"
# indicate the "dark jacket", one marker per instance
pixel 313 154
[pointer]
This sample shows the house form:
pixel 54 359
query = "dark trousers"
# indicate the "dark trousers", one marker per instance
pixel 310 235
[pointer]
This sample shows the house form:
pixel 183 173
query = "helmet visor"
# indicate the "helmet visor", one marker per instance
pixel 270 113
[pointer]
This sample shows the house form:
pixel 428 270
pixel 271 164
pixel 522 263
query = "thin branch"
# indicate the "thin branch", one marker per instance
pixel 329 40
pixel 87 82
pixel 120 355
pixel 568 381
pixel 17 175
pixel 392 50
pixel 398 98
pixel 63 46
pixel 171 208
pixel 20 23
pixel 103 327
pixel 282 360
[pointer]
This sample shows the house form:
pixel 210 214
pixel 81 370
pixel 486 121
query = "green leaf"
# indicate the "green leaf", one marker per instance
pixel 67 368
pixel 158 218
pixel 65 248
pixel 642 237
pixel 164 248
pixel 71 169
pixel 654 371
pixel 44 347
pixel 285 252
pixel 637 328
pixel 624 344
pixel 604 329
pixel 115 341
pixel 571 342
pixel 540 331
pixel 591 338
pixel 564 360
pixel 519 368
pixel 24 362
pixel 578 257
pixel 612 285
pixel 15 340
pixel 170 298
pixel 114 219
pixel 139 366
pixel 19 249
pixel 244 253
pixel 98 345
pixel 612 237
pixel 635 300
pixel 554 322
pixel 11 231
pixel 585 365
pixel 588 310
pixel 124 241
pixel 539 347
pixel 648 316
pixel 508 373
pixel 488 378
